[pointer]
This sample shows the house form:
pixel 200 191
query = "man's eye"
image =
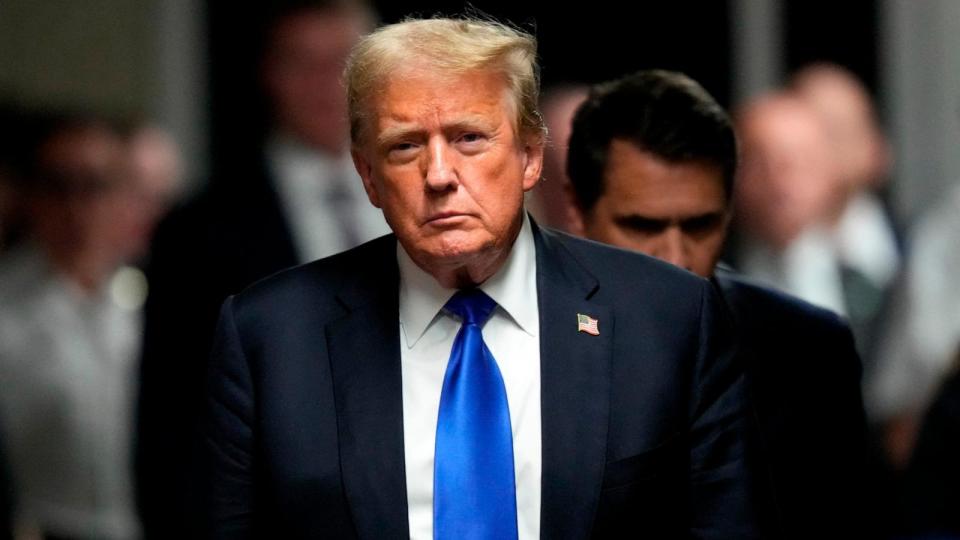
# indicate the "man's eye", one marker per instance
pixel 402 150
pixel 642 225
pixel 702 224
pixel 471 139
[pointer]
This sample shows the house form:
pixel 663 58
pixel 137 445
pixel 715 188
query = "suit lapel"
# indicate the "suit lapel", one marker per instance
pixel 364 349
pixel 575 391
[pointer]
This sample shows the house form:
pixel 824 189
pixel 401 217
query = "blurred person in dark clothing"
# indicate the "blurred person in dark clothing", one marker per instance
pixel 547 202
pixel 70 326
pixel 18 130
pixel 916 349
pixel 8 196
pixel 931 493
pixel 297 200
pixel 652 161
pixel 7 498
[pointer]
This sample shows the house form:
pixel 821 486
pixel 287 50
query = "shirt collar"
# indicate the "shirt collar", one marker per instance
pixel 300 167
pixel 513 288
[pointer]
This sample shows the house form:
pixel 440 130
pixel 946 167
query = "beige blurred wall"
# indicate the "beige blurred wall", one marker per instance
pixel 144 57
pixel 90 53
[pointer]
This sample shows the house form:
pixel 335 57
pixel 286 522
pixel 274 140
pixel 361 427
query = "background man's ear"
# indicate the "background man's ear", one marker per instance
pixel 575 215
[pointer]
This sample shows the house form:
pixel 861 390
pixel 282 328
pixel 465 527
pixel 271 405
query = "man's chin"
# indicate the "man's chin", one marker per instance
pixel 454 250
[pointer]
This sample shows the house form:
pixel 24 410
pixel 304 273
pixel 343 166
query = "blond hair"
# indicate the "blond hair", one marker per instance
pixel 451 46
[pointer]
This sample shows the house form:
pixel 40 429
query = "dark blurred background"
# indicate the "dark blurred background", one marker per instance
pixel 172 91
pixel 193 64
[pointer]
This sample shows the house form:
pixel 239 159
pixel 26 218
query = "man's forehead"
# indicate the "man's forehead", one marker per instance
pixel 407 98
pixel 641 180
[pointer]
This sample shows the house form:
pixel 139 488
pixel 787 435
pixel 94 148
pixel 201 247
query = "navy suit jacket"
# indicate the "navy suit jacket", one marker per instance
pixel 642 426
pixel 230 236
pixel 803 379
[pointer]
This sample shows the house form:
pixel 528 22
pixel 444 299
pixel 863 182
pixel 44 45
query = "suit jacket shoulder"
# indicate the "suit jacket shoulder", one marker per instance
pixel 803 376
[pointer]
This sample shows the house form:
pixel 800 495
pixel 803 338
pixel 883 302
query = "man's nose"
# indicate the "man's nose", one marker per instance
pixel 441 173
pixel 672 248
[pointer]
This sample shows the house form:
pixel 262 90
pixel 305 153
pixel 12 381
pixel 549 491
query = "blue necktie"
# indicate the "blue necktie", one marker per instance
pixel 474 493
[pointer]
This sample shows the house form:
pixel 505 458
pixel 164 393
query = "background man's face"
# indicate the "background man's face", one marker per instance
pixel 302 75
pixel 787 181
pixel 442 159
pixel 676 212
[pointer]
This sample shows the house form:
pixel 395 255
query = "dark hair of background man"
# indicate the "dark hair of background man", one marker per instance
pixel 660 112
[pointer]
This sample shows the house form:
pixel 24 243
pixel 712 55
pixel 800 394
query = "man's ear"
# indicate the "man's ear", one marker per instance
pixel 533 163
pixel 365 170
pixel 576 218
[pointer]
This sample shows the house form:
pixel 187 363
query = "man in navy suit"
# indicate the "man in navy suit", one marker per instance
pixel 328 409
pixel 651 160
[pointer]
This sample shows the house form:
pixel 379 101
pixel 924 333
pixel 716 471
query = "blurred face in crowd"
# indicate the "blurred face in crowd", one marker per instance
pixel 151 172
pixel 74 215
pixel 302 72
pixel 787 179
pixel 857 145
pixel 103 197
pixel 675 211
pixel 444 161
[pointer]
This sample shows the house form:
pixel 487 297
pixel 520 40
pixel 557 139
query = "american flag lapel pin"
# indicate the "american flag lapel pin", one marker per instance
pixel 588 324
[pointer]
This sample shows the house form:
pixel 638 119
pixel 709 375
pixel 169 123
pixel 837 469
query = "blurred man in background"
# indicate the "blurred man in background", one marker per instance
pixel 548 201
pixel 297 200
pixel 70 324
pixel 652 160
pixel 864 237
pixel 917 349
pixel 786 190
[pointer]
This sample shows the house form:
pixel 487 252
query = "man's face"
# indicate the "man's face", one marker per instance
pixel 676 212
pixel 787 181
pixel 441 157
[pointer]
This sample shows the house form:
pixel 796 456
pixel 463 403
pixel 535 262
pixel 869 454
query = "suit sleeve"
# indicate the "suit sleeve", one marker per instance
pixel 721 494
pixel 228 437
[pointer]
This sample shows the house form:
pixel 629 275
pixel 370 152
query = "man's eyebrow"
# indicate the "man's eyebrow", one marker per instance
pixel 705 216
pixel 640 219
pixel 396 132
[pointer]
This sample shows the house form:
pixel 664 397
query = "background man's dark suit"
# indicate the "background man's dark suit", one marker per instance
pixel 803 377
pixel 212 247
pixel 641 425
pixel 931 496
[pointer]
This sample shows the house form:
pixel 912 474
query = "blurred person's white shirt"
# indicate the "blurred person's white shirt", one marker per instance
pixel 67 375
pixel 865 240
pixel 807 268
pixel 922 337
pixel 322 198
pixel 813 266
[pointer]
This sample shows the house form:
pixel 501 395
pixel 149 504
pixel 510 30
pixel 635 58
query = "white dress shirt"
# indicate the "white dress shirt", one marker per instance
pixel 512 335
pixel 67 374
pixel 808 268
pixel 865 240
pixel 321 197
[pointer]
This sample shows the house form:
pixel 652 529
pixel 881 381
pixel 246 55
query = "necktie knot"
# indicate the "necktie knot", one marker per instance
pixel 473 306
